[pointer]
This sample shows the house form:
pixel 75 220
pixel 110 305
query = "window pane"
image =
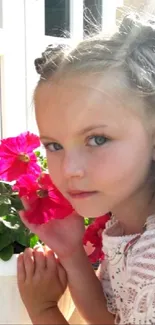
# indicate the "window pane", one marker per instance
pixel 57 18
pixel 92 16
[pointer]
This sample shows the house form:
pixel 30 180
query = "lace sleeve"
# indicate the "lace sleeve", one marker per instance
pixel 138 306
pixel 103 276
pixel 142 311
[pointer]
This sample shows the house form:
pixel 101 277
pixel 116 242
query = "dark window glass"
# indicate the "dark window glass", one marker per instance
pixel 57 18
pixel 92 16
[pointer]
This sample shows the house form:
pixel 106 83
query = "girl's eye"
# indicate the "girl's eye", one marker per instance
pixel 97 140
pixel 53 146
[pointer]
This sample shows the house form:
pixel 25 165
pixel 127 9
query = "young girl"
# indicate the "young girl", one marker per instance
pixel 95 110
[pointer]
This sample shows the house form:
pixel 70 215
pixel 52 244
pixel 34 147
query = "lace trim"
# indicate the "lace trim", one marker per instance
pixel 130 288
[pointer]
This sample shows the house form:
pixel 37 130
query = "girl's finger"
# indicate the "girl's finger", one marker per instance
pixel 40 258
pixel 29 263
pixel 50 259
pixel 21 273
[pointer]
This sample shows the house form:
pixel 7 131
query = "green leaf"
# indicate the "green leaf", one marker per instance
pixel 2 227
pixel 4 209
pixel 8 224
pixel 4 200
pixel 34 240
pixel 17 203
pixel 45 164
pixel 22 236
pixel 3 187
pixel 6 187
pixel 6 238
pixel 6 253
pixel 88 221
pixel 14 219
pixel 37 153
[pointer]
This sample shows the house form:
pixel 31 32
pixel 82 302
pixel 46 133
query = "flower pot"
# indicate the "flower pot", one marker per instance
pixel 13 310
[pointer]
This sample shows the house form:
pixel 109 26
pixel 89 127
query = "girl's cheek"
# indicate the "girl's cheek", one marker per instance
pixel 53 164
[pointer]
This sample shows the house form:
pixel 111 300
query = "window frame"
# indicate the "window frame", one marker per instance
pixel 1 97
pixel 13 81
pixel 1 14
pixel 24 33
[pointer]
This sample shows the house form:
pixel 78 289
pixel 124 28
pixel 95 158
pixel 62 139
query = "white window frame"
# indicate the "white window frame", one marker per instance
pixel 1 64
pixel 25 39
pixel 109 15
pixel 13 83
pixel 1 15
pixel 1 76
pixel 1 98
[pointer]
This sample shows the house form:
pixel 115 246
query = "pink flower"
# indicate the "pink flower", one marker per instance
pixel 17 157
pixel 44 200
pixel 93 235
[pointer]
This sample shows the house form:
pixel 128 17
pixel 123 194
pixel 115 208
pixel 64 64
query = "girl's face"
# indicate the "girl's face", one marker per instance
pixel 98 150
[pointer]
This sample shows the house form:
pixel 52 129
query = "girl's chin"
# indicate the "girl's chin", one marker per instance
pixel 91 213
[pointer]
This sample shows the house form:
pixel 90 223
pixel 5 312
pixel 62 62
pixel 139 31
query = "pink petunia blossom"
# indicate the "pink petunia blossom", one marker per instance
pixel 44 200
pixel 93 235
pixel 17 156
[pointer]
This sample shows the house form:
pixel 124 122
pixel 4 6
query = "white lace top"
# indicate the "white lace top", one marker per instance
pixel 128 274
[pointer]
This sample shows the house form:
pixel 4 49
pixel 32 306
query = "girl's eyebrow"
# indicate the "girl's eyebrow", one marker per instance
pixel 85 130
pixel 92 127
pixel 46 138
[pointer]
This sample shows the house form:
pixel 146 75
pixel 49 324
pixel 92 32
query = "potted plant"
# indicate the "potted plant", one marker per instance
pixel 23 172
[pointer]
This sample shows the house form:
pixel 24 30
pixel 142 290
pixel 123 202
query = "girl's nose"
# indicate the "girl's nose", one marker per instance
pixel 73 165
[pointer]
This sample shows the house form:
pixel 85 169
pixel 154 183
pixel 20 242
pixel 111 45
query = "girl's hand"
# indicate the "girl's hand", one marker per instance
pixel 63 236
pixel 41 280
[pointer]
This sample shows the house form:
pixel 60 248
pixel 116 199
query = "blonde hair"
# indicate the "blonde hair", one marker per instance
pixel 131 50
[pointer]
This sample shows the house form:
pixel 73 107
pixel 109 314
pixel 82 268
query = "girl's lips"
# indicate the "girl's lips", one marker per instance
pixel 81 195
